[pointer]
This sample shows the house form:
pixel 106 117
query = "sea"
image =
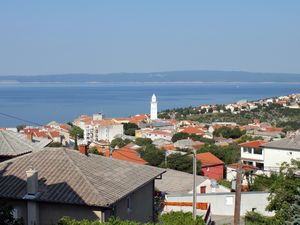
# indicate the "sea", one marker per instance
pixel 40 103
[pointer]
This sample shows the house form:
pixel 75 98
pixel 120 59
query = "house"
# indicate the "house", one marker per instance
pixel 175 186
pixel 252 153
pixel 193 130
pixel 212 166
pixel 188 144
pixel 154 134
pixel 14 144
pixel 126 154
pixel 177 182
pixel 46 185
pixel 97 128
pixel 276 152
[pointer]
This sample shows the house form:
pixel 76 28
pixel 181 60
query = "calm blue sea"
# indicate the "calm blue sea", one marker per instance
pixel 42 103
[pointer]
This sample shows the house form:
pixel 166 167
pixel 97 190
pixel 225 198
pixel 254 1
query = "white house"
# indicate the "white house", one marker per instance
pixel 268 156
pixel 252 153
pixel 98 129
pixel 284 150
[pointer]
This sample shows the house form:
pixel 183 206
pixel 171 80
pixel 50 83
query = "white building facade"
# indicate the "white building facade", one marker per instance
pixel 269 156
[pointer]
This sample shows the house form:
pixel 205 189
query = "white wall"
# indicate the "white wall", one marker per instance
pixel 275 157
pixel 252 155
pixel 223 203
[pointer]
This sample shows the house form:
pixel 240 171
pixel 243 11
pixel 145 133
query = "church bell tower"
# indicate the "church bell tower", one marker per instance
pixel 153 114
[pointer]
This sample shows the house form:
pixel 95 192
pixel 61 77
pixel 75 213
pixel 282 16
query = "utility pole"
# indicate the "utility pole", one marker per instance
pixel 238 187
pixel 194 185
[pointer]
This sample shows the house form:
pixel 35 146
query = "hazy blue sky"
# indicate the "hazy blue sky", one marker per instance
pixel 60 36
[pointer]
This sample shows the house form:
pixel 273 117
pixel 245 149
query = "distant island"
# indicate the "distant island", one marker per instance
pixel 172 76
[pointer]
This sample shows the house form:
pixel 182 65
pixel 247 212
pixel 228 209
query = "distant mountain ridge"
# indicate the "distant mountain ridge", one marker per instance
pixel 172 76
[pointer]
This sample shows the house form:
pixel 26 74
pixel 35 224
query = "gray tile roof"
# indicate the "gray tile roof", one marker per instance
pixel 292 142
pixel 177 182
pixel 14 144
pixel 67 176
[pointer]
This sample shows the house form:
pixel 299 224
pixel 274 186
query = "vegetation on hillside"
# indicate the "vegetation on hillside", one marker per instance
pixel 228 132
pixel 275 114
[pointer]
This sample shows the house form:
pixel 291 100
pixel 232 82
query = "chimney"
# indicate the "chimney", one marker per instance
pixel 32 182
pixel 83 149
pixel 29 136
pixel 32 191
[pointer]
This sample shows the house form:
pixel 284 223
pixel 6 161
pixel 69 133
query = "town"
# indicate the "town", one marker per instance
pixel 138 167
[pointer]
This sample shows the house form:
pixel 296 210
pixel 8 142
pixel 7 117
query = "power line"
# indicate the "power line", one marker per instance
pixel 20 119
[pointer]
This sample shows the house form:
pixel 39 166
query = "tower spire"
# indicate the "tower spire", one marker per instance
pixel 153 111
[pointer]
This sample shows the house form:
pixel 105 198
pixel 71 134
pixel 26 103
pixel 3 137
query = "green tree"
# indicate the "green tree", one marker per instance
pixel 284 195
pixel 228 132
pixel 143 141
pixel 152 155
pixel 20 127
pixel 130 128
pixel 182 163
pixel 6 216
pixel 76 132
pixel 179 136
pixel 94 150
pixel 119 142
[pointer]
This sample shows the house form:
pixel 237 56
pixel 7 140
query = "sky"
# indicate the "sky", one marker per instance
pixel 93 36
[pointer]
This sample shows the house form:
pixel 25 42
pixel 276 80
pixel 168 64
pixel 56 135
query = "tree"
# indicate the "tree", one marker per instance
pixel 152 155
pixel 130 128
pixel 94 150
pixel 228 154
pixel 285 193
pixel 20 127
pixel 76 132
pixel 6 216
pixel 182 163
pixel 179 136
pixel 203 111
pixel 119 142
pixel 228 132
pixel 143 141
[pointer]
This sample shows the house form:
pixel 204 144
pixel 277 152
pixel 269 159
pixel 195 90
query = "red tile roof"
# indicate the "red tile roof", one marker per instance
pixel 253 144
pixel 273 129
pixel 208 159
pixel 193 130
pixel 126 154
pixel 54 133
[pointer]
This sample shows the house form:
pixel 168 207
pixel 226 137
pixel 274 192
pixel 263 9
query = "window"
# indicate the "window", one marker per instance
pixel 246 150
pixel 258 151
pixel 248 163
pixel 129 206
pixel 260 166
pixel 203 189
